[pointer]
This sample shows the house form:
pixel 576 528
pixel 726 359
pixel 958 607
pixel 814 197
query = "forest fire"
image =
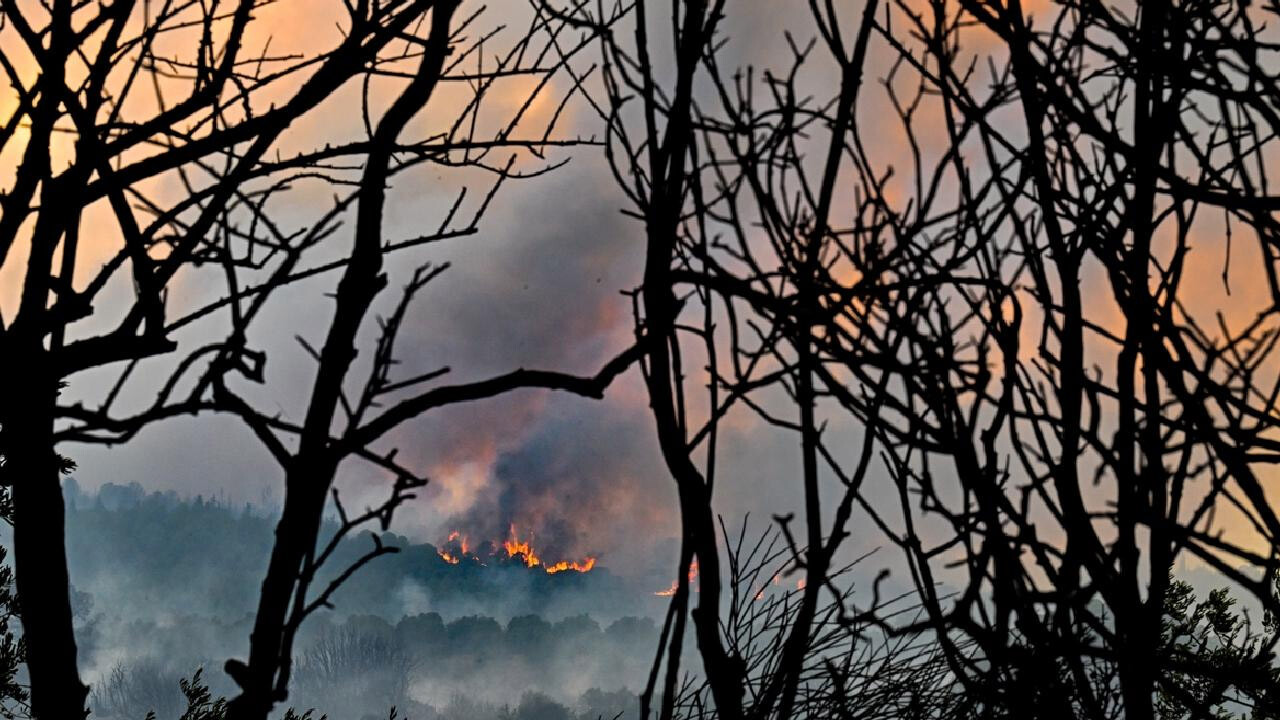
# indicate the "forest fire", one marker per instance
pixel 524 548
pixel 459 538
pixel 584 566
pixel 693 575
pixel 457 548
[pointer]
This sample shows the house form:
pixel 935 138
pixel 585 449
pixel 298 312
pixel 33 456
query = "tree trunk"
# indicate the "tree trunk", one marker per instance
pixel 39 545
pixel 295 539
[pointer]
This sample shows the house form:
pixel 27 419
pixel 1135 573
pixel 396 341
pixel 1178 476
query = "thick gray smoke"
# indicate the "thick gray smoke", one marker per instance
pixel 577 499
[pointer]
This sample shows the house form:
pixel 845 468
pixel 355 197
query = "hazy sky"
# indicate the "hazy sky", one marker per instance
pixel 539 286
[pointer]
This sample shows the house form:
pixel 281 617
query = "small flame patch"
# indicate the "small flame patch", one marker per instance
pixel 693 575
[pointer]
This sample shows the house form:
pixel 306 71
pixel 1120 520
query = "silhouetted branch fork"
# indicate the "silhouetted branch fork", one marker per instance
pixel 586 386
pixel 384 354
pixel 272 285
pixel 416 380
pixel 423 151
pixel 387 462
pixel 302 609
pixel 94 422
pixel 322 600
pixel 94 352
pixel 258 423
pixel 400 493
pixel 101 416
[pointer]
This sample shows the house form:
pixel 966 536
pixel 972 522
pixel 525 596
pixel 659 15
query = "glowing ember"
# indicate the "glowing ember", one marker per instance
pixel 693 575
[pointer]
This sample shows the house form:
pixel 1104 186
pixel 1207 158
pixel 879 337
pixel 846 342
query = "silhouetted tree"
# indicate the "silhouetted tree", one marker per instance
pixel 651 164
pixel 1015 330
pixel 1084 403
pixel 775 254
pixel 181 144
pixel 340 424
pixel 1049 407
pixel 151 141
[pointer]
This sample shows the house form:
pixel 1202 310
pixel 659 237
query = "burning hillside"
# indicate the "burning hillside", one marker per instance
pixel 457 548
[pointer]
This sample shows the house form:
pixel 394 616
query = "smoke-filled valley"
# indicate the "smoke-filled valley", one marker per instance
pixel 419 629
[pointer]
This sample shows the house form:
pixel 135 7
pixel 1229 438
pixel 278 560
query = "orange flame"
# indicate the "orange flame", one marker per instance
pixel 515 548
pixel 460 539
pixel 693 575
pixel 584 566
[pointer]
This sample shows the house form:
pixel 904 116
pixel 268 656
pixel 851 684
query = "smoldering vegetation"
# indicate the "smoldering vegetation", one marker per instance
pixel 410 631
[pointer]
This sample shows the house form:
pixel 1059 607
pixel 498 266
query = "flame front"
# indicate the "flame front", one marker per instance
pixel 584 566
pixel 517 549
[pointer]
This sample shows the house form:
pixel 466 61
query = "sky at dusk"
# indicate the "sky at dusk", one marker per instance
pixel 544 553
pixel 540 286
